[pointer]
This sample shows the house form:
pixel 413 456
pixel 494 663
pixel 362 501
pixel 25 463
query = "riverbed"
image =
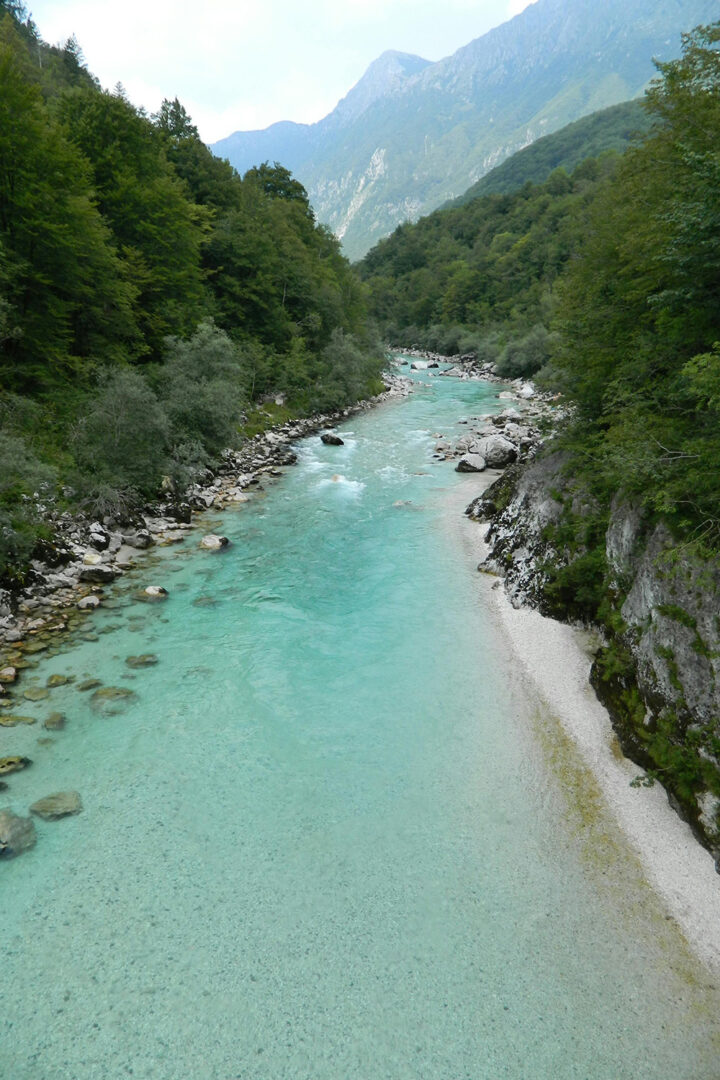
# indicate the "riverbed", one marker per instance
pixel 335 833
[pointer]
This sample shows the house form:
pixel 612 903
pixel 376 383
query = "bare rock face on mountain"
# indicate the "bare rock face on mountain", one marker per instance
pixel 412 134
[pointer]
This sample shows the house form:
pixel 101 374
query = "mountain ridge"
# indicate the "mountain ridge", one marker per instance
pixel 405 140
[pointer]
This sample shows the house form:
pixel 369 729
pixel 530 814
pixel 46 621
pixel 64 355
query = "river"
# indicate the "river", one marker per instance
pixel 334 836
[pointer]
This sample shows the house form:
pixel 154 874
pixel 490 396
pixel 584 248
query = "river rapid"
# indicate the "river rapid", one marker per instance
pixel 333 836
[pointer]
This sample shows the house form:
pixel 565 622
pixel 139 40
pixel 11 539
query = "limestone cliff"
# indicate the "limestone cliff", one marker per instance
pixel 656 604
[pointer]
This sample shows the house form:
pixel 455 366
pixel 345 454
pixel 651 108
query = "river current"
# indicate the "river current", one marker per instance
pixel 333 836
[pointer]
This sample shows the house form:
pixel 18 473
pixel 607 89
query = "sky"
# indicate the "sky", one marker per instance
pixel 244 64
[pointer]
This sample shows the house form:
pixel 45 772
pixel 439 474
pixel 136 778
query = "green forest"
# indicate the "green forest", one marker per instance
pixel 151 299
pixel 603 284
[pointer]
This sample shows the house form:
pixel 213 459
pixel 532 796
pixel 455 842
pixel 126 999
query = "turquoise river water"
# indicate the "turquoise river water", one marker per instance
pixel 333 837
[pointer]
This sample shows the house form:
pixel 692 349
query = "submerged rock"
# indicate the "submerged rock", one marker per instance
pixel 55 721
pixel 13 764
pixel 36 693
pixel 11 720
pixel 145 660
pixel 110 700
pixel 89 684
pixel 61 804
pixel 56 680
pixel 16 834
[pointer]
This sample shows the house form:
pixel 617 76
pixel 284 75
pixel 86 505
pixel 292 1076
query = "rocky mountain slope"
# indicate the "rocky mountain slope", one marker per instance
pixel 413 134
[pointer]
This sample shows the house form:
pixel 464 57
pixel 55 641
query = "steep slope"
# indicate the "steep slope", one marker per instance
pixel 412 135
pixel 613 128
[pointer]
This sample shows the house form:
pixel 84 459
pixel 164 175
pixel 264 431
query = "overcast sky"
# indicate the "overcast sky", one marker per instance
pixel 243 64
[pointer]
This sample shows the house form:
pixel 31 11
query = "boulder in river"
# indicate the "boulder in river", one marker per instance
pixel 89 684
pixel 155 592
pixel 55 721
pixel 110 700
pixel 212 542
pixel 101 575
pixel 36 693
pixel 145 660
pixel 89 603
pixel 497 451
pixel 16 834
pixel 13 764
pixel 419 365
pixel 471 463
pixel 330 439
pixel 61 804
pixel 141 539
pixel 12 720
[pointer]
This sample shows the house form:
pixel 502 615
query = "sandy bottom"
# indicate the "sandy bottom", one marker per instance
pixel 556 659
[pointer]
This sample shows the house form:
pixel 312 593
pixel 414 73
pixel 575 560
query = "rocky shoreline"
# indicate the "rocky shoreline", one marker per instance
pixel 465 366
pixel 86 555
pixel 657 667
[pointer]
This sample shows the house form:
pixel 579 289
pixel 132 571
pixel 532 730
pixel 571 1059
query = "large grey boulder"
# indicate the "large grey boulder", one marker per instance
pixel 497 451
pixel 16 834
pixel 99 575
pixel 211 542
pixel 141 539
pixel 331 440
pixel 471 463
pixel 88 603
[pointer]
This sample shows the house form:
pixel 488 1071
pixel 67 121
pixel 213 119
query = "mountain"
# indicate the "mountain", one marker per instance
pixel 613 128
pixel 413 134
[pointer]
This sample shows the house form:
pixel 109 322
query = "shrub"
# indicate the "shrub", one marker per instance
pixel 121 442
pixel 202 386
pixel 522 357
pixel 21 475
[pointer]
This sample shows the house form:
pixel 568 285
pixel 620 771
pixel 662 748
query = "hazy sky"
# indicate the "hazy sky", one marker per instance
pixel 245 64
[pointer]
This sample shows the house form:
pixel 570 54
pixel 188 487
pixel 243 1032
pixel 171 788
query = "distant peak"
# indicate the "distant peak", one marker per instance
pixel 403 58
pixel 386 75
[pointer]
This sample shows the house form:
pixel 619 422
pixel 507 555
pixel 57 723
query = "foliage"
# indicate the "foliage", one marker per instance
pixel 482 277
pixel 21 476
pixel 148 293
pixel 639 306
pixel 201 386
pixel 121 441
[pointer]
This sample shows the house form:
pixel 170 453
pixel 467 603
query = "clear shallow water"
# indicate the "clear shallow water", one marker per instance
pixel 326 841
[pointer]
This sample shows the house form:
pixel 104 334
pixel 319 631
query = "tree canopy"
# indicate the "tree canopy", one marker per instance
pixel 145 286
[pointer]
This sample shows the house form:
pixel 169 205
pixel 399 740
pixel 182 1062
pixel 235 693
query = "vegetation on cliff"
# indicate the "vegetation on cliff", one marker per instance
pixel 148 293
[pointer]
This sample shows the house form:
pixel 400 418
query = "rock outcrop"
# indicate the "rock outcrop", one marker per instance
pixel 655 604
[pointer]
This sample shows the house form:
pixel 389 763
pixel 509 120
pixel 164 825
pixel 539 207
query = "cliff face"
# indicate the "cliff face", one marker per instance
pixel 656 604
